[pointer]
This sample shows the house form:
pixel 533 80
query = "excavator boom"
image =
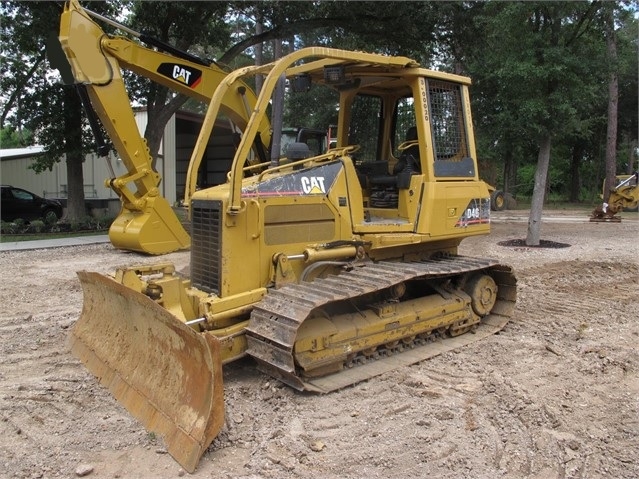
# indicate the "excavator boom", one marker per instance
pixel 146 222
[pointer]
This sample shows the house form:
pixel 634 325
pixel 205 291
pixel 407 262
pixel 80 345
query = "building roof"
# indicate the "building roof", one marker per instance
pixel 17 153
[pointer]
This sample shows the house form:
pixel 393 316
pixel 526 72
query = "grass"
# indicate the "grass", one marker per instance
pixel 88 226
pixel 45 236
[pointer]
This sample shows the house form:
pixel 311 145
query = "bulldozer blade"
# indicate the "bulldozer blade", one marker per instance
pixel 166 375
pixel 156 230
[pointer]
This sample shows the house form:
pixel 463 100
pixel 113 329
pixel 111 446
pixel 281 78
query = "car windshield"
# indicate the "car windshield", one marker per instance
pixel 22 195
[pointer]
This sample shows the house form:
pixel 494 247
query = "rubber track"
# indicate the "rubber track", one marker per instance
pixel 275 320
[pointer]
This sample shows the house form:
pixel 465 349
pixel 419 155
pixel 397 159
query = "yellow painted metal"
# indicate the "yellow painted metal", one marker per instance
pixel 154 230
pixel 166 374
pixel 624 196
pixel 232 341
pixel 323 340
pixel 236 104
pixel 314 254
pixel 217 310
pixel 255 242
pixel 274 71
pixel 146 222
pixel 298 223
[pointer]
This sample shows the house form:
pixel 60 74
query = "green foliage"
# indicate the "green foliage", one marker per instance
pixel 34 98
pixel 37 226
pixel 50 220
pixel 323 113
pixel 84 224
pixel 537 67
pixel 627 49
pixel 527 63
pixel 8 228
pixel 10 137
pixel 542 67
pixel 19 223
pixel 526 180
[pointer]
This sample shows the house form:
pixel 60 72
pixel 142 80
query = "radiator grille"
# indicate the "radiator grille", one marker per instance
pixel 206 245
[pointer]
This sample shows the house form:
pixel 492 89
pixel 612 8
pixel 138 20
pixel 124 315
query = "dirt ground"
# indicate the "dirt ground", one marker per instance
pixel 554 395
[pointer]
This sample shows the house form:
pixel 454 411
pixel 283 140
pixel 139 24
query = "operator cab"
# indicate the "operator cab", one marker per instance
pixel 411 132
pixel 403 155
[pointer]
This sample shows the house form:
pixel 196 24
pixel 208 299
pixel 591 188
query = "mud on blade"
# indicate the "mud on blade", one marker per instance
pixel 166 375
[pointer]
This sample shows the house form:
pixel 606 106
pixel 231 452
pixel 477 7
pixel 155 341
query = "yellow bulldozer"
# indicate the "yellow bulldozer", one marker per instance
pixel 624 196
pixel 326 268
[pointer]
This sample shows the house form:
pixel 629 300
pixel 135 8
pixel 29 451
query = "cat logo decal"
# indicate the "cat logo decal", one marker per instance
pixel 181 73
pixel 313 185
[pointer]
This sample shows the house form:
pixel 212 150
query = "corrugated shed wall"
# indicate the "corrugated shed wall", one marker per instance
pixel 53 184
pixel 15 172
pixel 165 164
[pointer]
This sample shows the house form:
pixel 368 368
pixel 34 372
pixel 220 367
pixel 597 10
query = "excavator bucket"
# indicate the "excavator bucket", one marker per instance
pixel 156 230
pixel 166 374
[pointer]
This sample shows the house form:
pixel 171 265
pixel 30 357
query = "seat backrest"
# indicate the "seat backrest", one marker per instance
pixel 411 133
pixel 409 155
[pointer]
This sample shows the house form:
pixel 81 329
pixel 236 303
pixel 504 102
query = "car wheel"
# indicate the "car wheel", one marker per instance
pixel 50 216
pixel 497 201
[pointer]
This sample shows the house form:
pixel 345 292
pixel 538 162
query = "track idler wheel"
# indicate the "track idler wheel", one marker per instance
pixel 482 290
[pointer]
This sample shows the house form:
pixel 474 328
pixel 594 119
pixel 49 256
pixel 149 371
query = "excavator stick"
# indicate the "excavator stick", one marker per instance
pixel 156 230
pixel 146 223
pixel 166 374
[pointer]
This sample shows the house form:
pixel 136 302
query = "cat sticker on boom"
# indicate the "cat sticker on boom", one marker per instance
pixel 181 73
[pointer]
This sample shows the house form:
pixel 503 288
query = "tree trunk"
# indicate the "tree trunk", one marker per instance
pixel 157 118
pixel 632 156
pixel 510 175
pixel 537 206
pixel 74 155
pixel 613 100
pixel 508 160
pixel 575 163
pixel 259 55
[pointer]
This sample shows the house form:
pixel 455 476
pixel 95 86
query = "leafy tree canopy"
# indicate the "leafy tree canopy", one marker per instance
pixel 537 67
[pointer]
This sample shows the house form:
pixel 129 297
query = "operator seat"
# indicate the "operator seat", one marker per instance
pixel 409 159
pixel 385 188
